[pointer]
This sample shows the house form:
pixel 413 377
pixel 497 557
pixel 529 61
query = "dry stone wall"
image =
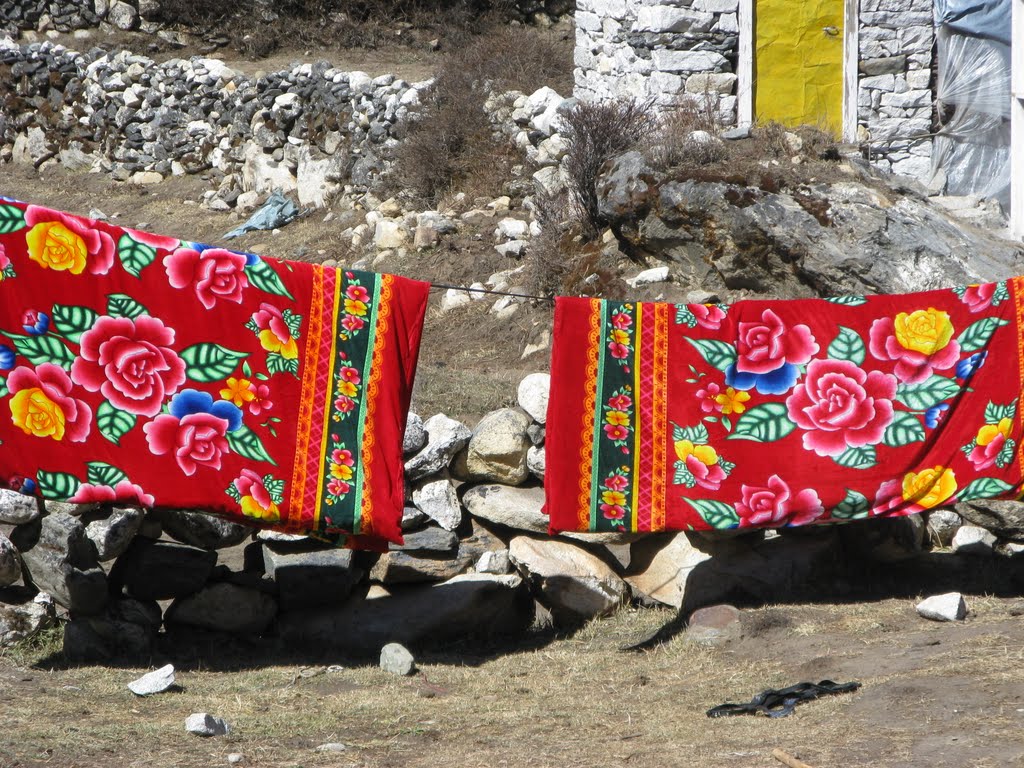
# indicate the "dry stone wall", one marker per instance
pixel 894 91
pixel 664 52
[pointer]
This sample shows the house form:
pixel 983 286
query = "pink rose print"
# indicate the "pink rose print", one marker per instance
pixel 338 487
pixel 248 483
pixel 196 440
pixel 919 343
pixel 978 298
pixel 774 505
pixel 768 353
pixel 358 293
pixel 621 321
pixel 620 402
pixel 42 404
pixel 215 274
pixel 4 261
pixel 617 482
pixel 841 406
pixel 984 456
pixel 352 323
pixel 125 491
pixel 763 347
pixel 130 362
pixel 708 316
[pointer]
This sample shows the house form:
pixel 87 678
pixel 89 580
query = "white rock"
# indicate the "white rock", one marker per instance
pixel 235 758
pixel 532 395
pixel 650 276
pixel 536 461
pixel 396 659
pixel 947 607
pixel 512 249
pixel 332 746
pixel 415 435
pixel 445 438
pixel 497 450
pixel 972 540
pixel 389 234
pixel 146 177
pixel 518 508
pixel 943 525
pixel 439 502
pixel 495 562
pixel 453 299
pixel 157 681
pixel 16 508
pixel 203 724
pixel 10 562
pixel 512 229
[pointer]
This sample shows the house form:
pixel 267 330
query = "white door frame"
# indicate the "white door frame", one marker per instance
pixel 1017 120
pixel 745 65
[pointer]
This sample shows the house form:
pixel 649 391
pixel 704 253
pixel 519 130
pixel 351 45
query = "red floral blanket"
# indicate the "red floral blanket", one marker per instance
pixel 773 413
pixel 148 370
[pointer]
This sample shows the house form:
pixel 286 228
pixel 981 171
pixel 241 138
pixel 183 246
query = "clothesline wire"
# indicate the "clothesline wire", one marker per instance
pixel 496 293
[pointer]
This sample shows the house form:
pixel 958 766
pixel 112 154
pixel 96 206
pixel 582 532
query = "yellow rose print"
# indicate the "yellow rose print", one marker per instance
pixel 925 331
pixel 36 414
pixel 54 246
pixel 705 454
pixel 929 487
pixel 988 432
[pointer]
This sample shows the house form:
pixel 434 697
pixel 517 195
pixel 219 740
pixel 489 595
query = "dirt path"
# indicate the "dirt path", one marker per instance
pixel 933 696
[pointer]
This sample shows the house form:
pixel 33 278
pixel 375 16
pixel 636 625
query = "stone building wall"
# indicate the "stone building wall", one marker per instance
pixel 894 92
pixel 640 49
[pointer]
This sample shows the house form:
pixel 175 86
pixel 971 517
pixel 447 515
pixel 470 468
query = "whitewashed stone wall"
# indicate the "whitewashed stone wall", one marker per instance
pixel 665 52
pixel 894 95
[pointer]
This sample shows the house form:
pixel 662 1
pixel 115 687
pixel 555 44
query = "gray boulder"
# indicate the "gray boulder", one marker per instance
pixel 21 616
pixel 310 578
pixel 1003 518
pixel 947 607
pixel 415 437
pixel 204 724
pixel 973 540
pixel 224 607
pixel 396 659
pixel 943 525
pixel 157 681
pixel 574 584
pixel 113 535
pixel 127 629
pixel 465 606
pixel 497 449
pixel 518 508
pixel 10 562
pixel 17 509
pixel 626 187
pixel 62 561
pixel 714 625
pixel 162 570
pixel 431 540
pixel 438 501
pixel 445 438
pixel 532 396
pixel 201 530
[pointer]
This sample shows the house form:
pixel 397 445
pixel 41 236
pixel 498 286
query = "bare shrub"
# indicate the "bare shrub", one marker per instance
pixel 451 143
pixel 672 144
pixel 594 134
pixel 561 261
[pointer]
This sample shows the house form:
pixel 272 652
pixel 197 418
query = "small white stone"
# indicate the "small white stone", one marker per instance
pixel 396 659
pixel 453 299
pixel 332 746
pixel 511 229
pixel 973 540
pixel 533 395
pixel 947 607
pixel 495 562
pixel 235 758
pixel 157 681
pixel 650 276
pixel 203 724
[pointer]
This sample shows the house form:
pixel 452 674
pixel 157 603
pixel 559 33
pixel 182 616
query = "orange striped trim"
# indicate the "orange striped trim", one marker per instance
pixel 587 427
pixel 372 390
pixel 659 416
pixel 304 419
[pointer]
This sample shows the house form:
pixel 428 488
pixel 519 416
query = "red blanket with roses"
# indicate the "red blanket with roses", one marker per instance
pixel 765 414
pixel 149 370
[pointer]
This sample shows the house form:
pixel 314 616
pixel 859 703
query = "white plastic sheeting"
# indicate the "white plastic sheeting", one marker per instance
pixel 973 99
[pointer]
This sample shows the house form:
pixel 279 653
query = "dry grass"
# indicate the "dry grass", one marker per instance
pixel 570 701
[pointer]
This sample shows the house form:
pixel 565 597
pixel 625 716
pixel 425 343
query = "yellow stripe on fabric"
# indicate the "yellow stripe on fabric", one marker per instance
pixel 328 397
pixel 638 410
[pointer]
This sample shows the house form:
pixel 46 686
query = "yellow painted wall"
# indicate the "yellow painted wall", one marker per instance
pixel 798 62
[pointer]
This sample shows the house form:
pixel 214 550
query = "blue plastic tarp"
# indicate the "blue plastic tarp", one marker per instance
pixel 980 18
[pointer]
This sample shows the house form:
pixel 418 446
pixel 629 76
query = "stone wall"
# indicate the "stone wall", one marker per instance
pixel 632 48
pixel 69 15
pixel 894 93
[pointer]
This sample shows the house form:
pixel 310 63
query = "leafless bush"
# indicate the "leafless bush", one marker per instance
pixel 561 261
pixel 594 134
pixel 673 144
pixel 451 142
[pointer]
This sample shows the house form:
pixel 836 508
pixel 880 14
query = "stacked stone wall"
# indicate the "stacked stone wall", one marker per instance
pixel 666 53
pixel 894 90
